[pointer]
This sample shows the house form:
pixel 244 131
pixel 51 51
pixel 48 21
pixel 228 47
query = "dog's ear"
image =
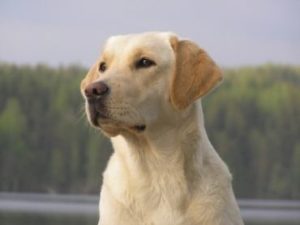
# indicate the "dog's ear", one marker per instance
pixel 195 73
pixel 89 77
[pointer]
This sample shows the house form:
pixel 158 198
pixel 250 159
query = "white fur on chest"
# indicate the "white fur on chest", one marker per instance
pixel 158 197
pixel 132 196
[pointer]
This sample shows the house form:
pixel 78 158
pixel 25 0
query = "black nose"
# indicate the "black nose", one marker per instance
pixel 96 89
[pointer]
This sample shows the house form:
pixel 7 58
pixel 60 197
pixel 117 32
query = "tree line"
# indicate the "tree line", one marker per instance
pixel 46 144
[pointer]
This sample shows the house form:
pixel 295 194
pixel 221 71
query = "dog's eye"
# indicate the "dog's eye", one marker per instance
pixel 144 63
pixel 102 67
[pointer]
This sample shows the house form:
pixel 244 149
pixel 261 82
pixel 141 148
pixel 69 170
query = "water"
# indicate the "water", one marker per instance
pixel 36 209
pixel 46 219
pixel 50 219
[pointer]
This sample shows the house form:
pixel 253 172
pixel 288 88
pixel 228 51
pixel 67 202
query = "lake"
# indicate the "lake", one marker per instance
pixel 36 209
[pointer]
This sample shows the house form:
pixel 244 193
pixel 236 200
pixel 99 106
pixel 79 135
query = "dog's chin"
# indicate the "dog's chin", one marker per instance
pixel 110 130
pixel 112 127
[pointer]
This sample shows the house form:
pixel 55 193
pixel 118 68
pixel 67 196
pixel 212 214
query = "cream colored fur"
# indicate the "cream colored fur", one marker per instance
pixel 168 174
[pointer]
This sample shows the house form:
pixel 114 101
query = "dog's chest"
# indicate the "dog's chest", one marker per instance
pixel 162 203
pixel 154 207
pixel 146 201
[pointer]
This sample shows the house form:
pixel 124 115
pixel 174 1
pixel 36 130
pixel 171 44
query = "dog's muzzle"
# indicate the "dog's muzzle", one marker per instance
pixel 96 94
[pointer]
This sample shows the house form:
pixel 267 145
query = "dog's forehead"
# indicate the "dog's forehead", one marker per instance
pixel 155 41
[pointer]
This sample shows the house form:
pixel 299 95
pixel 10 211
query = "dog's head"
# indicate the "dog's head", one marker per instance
pixel 143 79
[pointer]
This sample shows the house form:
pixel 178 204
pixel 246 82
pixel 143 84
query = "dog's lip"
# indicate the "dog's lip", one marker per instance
pixel 98 116
pixel 96 113
pixel 139 127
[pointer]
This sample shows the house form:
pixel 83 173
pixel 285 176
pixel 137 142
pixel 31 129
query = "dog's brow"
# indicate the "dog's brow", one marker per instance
pixel 106 57
pixel 141 52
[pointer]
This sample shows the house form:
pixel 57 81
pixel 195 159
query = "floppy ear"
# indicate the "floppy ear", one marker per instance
pixel 195 73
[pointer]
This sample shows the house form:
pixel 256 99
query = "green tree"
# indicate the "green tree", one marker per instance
pixel 46 145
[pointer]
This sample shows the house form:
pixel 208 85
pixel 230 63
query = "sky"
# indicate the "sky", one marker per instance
pixel 233 32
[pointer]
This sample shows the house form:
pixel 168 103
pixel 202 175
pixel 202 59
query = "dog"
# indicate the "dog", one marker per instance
pixel 144 93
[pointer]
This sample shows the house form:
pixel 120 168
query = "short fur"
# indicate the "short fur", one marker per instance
pixel 169 173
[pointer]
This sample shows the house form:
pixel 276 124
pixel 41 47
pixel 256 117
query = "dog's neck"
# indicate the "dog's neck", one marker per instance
pixel 172 156
pixel 180 144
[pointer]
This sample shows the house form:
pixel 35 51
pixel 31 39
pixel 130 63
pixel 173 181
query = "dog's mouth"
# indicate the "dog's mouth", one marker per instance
pixel 96 110
pixel 96 115
pixel 100 117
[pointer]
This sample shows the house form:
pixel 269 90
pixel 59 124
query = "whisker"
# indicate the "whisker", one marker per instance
pixel 80 114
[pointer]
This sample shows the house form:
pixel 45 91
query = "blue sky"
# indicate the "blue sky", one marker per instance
pixel 234 32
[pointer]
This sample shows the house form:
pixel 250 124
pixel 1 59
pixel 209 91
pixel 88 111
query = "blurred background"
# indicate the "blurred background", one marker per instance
pixel 51 160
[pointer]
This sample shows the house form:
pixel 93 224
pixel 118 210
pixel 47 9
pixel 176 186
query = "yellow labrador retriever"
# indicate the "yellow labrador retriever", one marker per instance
pixel 143 92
